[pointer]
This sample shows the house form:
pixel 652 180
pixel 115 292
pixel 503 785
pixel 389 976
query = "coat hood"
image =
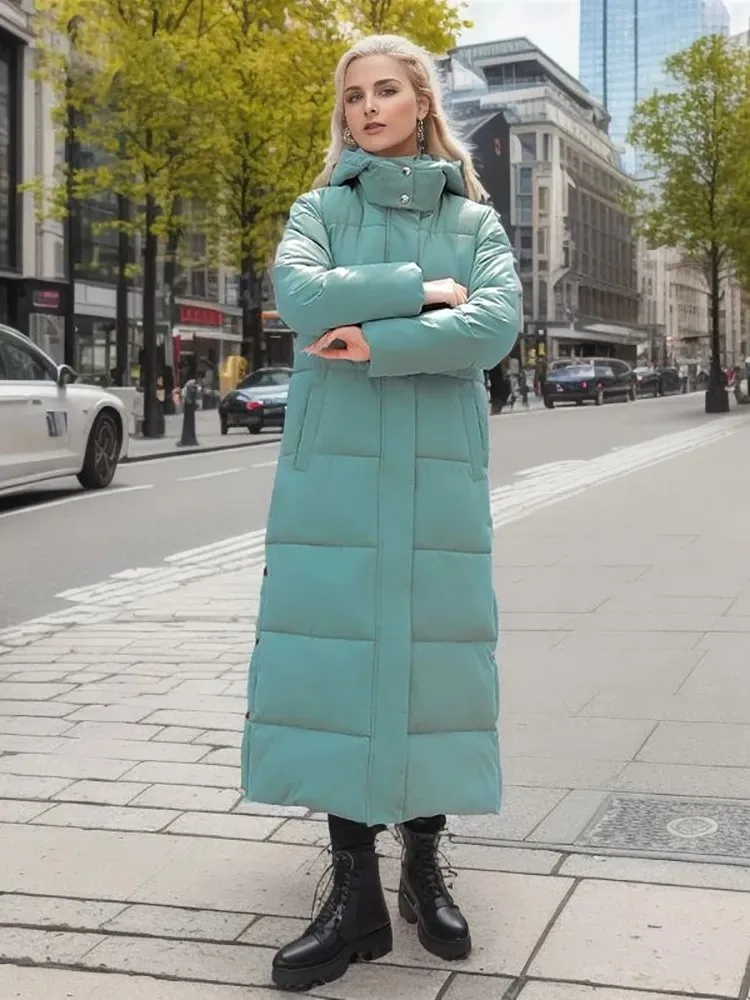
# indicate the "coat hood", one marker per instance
pixel 405 182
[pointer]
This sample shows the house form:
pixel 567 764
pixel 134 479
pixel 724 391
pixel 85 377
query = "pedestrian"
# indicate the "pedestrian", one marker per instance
pixel 373 692
pixel 523 388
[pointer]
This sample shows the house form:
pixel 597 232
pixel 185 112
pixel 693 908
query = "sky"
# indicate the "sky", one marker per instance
pixel 550 24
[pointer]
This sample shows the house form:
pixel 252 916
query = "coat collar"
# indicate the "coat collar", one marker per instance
pixel 406 182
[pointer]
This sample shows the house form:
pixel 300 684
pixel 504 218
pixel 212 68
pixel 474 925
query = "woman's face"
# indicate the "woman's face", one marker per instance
pixel 381 106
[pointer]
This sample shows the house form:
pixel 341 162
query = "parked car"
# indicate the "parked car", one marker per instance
pixel 50 424
pixel 588 380
pixel 657 381
pixel 258 401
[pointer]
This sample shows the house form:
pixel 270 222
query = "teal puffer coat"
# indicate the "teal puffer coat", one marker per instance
pixel 373 690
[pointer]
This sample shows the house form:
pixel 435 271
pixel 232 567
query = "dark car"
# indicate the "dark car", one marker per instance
pixel 588 380
pixel 258 401
pixel 657 381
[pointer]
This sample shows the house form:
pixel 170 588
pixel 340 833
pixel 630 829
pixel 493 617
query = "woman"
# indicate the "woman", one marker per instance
pixel 373 687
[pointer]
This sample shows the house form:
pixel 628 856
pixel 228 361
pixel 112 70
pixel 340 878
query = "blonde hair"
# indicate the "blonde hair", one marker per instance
pixel 440 140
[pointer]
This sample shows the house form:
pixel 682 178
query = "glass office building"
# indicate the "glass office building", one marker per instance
pixel 624 44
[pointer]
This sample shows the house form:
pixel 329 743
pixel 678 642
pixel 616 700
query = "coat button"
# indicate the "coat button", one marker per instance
pixel 404 199
pixel 406 171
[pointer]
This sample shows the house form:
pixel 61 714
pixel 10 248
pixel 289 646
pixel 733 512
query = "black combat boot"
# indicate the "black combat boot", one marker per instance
pixel 353 924
pixel 424 899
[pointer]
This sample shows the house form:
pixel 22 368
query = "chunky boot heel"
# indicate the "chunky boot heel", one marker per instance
pixel 406 907
pixel 424 899
pixel 353 925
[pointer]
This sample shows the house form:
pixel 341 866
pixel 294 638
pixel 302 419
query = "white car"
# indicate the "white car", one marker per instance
pixel 51 426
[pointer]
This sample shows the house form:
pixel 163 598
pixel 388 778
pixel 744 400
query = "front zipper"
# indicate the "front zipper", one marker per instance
pixel 387 235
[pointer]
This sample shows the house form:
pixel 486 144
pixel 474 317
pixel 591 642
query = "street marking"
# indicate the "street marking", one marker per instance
pixel 227 451
pixel 264 465
pixel 209 475
pixel 115 491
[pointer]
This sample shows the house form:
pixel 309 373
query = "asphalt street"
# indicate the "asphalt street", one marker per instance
pixel 59 537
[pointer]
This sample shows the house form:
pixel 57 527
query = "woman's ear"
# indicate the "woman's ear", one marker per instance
pixel 423 107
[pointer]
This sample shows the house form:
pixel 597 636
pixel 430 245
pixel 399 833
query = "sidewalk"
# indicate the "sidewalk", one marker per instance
pixel 207 432
pixel 619 869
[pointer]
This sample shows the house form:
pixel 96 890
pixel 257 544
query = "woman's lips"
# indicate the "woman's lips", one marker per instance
pixel 374 127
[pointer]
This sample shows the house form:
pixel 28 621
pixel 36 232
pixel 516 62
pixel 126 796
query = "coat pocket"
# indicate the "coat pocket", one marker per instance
pixel 476 434
pixel 310 423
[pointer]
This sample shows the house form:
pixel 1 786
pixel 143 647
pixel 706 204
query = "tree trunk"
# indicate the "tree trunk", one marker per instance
pixel 717 399
pixel 122 368
pixel 174 237
pixel 153 419
pixel 252 315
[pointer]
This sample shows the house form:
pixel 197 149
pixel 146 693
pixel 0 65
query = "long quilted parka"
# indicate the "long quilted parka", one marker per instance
pixel 373 690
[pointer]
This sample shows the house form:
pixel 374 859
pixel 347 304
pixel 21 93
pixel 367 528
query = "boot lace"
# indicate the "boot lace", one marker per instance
pixel 427 868
pixel 335 885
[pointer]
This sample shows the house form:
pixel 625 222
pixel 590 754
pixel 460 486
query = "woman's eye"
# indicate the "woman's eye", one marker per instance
pixel 388 90
pixel 352 98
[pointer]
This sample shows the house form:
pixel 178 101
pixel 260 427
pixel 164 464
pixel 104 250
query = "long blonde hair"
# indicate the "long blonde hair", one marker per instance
pixel 441 142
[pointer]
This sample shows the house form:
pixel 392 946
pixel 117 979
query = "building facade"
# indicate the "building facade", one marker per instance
pixel 544 155
pixel 623 46
pixel 676 313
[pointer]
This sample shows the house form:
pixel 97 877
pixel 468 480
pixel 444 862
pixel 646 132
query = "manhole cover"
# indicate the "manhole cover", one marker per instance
pixel 667 824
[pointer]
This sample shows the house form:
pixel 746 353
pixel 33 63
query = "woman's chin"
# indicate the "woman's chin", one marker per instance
pixel 382 144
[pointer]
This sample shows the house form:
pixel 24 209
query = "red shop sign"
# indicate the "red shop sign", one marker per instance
pixel 201 316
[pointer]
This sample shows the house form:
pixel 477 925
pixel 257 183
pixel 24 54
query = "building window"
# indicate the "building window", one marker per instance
pixel 546 147
pixel 542 312
pixel 543 199
pixel 528 147
pixel 525 177
pixel 525 212
pixel 541 242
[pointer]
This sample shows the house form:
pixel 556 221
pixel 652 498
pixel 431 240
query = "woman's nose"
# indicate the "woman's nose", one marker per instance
pixel 370 106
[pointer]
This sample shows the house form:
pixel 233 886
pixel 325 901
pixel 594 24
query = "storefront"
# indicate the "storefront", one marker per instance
pixel 202 339
pixel 41 314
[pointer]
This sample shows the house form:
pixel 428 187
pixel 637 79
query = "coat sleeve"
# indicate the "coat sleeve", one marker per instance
pixel 480 333
pixel 313 296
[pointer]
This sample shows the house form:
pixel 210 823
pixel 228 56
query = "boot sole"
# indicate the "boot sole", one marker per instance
pixel 450 951
pixel 367 949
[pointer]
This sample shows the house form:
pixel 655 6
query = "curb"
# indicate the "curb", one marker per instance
pixel 199 450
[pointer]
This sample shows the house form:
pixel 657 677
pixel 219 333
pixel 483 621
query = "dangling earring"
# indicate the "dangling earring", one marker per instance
pixel 348 137
pixel 421 137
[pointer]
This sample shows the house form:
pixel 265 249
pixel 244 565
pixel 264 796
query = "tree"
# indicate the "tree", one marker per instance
pixel 696 148
pixel 137 87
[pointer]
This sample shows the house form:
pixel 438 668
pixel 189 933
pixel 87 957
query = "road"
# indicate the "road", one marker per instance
pixel 58 537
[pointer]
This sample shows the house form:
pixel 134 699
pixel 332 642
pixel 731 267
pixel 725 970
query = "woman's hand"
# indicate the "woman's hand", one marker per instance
pixel 357 348
pixel 445 291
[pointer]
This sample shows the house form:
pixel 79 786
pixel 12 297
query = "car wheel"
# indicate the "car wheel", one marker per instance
pixel 102 453
pixel 599 398
pixel 224 427
pixel 549 403
pixel 579 402
pixel 254 430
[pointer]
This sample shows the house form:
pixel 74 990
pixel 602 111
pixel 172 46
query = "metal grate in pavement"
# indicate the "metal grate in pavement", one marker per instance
pixel 670 824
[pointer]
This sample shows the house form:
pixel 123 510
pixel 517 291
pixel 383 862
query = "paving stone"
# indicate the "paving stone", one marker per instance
pixel 698 743
pixel 33 692
pixel 688 779
pixel 501 859
pixel 27 726
pixel 559 772
pixel 96 817
pixel 22 983
pixel 467 987
pixel 302 831
pixel 265 809
pixel 30 744
pixel 136 750
pixel 51 911
pixel 688 873
pixel 225 757
pixel 55 765
pixel 579 738
pixel 20 944
pixel 191 960
pixel 195 719
pixel 217 738
pixel 108 713
pixel 111 793
pixel 13 786
pixel 51 709
pixel 650 937
pixel 177 734
pixel 523 810
pixel 165 921
pixel 366 981
pixel 37 676
pixel 231 827
pixel 274 932
pixel 185 798
pixel 20 812
pixel 564 991
pixel 99 731
pixel 566 821
pixel 154 772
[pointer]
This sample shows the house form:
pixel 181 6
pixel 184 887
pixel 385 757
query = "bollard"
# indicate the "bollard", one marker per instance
pixel 189 406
